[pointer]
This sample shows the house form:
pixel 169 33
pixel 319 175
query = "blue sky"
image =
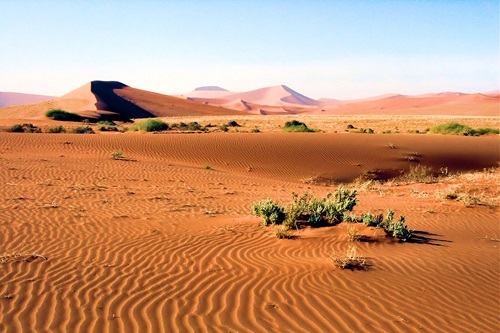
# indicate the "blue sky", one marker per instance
pixel 336 49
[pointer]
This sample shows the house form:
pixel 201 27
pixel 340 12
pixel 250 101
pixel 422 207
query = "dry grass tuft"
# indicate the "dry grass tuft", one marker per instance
pixel 20 257
pixel 349 260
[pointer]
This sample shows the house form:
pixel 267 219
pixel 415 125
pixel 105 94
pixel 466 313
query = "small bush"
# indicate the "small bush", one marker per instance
pixel 349 260
pixel 62 115
pixel 282 232
pixel 82 130
pixel 353 234
pixel 24 128
pixel 208 166
pixel 397 229
pixel 56 129
pixel 117 155
pixel 487 130
pixel 269 211
pixel 371 220
pixel 149 125
pixel 224 128
pixel 194 126
pixel 297 126
pixel 255 130
pixel 460 129
pixel 232 123
pixel 106 123
pixel 107 128
pixel 418 174
pixel 16 129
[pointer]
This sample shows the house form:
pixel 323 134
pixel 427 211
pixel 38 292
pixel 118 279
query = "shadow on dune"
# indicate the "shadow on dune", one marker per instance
pixel 105 91
pixel 424 237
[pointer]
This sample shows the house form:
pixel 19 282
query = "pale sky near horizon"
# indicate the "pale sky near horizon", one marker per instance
pixel 335 49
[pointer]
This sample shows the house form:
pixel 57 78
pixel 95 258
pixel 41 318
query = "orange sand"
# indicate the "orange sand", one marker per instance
pixel 157 242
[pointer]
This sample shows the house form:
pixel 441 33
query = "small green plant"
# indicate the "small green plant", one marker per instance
pixel 224 128
pixel 106 123
pixel 58 114
pixel 371 220
pixel 149 125
pixel 269 211
pixel 117 155
pixel 208 166
pixel 83 130
pixel 397 229
pixel 56 129
pixel 255 130
pixel 297 126
pixel 349 260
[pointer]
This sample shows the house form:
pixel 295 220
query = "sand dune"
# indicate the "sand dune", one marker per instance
pixel 117 100
pixel 157 242
pixel 13 98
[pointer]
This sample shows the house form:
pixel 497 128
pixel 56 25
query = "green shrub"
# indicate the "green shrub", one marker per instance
pixel 62 115
pixel 107 128
pixel 460 129
pixel 117 155
pixel 224 128
pixel 16 129
pixel 194 126
pixel 487 130
pixel 269 211
pixel 56 129
pixel 397 229
pixel 106 123
pixel 82 130
pixel 297 126
pixel 255 130
pixel 372 220
pixel 24 128
pixel 149 125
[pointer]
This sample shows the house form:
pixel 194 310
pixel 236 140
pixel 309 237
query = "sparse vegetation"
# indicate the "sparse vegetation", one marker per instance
pixel 349 260
pixel 58 114
pixel 117 155
pixel 353 234
pixel 297 126
pixel 16 256
pixel 418 174
pixel 56 129
pixel 282 232
pixel 461 129
pixel 82 130
pixel 149 125
pixel 208 166
pixel 24 128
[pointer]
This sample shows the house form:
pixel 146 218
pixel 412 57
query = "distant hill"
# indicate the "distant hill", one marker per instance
pixel 14 98
pixel 115 100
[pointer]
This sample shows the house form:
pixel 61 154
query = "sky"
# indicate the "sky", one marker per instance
pixel 333 49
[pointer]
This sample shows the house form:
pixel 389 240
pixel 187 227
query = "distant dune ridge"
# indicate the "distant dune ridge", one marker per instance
pixel 116 100
pixel 14 98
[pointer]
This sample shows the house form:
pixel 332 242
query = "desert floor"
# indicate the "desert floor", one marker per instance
pixel 164 239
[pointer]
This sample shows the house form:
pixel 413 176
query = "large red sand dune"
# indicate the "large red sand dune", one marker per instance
pixel 99 98
pixel 159 243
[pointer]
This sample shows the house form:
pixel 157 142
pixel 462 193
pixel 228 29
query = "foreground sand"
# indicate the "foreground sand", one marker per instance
pixel 160 242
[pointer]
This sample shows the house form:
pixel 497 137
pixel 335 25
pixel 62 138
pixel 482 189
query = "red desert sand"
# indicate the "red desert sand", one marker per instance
pixel 162 239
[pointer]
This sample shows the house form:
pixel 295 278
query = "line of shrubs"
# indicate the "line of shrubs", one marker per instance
pixel 461 129
pixel 30 128
pixel 307 210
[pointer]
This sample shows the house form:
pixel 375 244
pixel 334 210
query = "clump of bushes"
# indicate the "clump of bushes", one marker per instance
pixel 307 210
pixel 149 125
pixel 56 129
pixel 83 130
pixel 58 114
pixel 24 128
pixel 461 129
pixel 297 126
pixel 270 212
